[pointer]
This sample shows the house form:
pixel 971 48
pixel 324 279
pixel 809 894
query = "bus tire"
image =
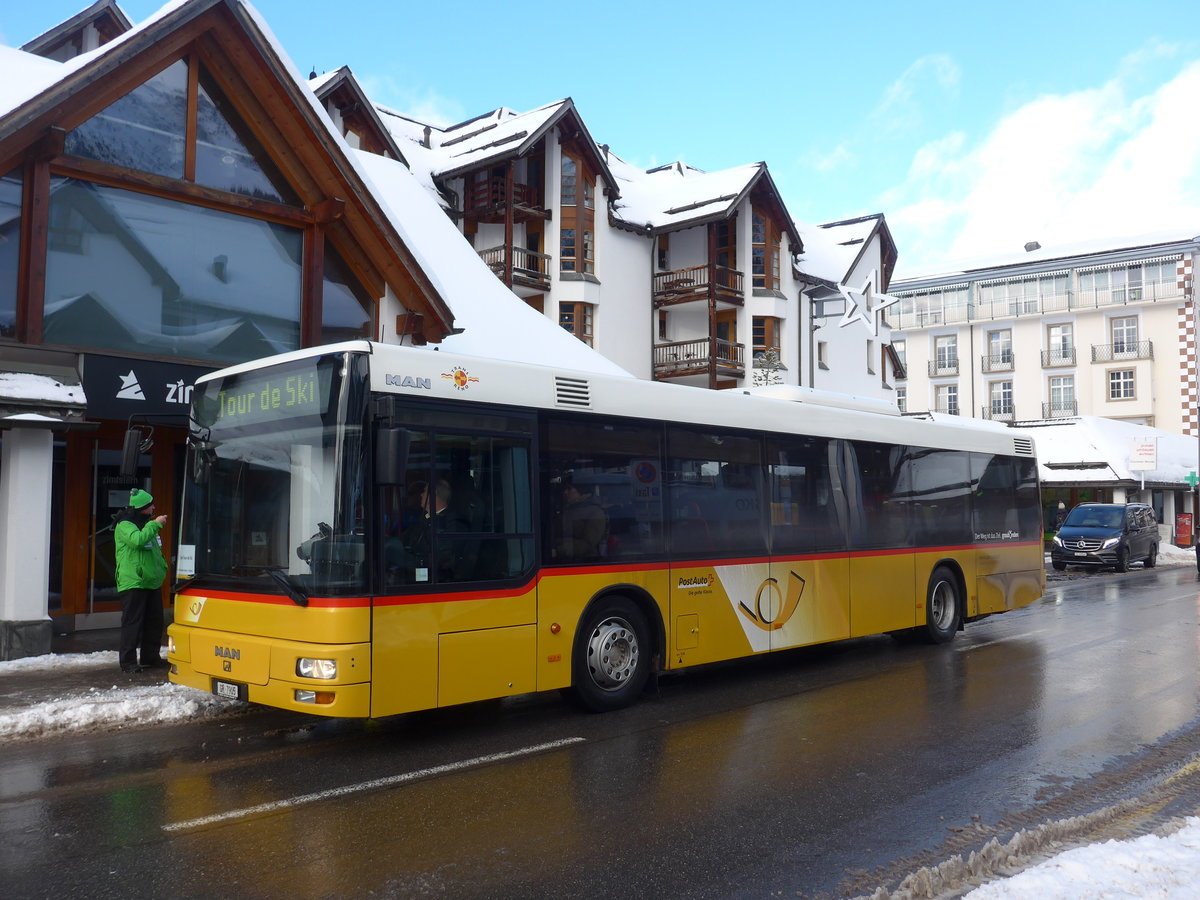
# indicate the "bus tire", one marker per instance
pixel 612 655
pixel 943 607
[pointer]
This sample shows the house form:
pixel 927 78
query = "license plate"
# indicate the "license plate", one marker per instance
pixel 1080 554
pixel 228 689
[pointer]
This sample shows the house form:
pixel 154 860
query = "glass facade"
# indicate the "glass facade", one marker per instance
pixel 132 272
pixel 10 250
pixel 144 130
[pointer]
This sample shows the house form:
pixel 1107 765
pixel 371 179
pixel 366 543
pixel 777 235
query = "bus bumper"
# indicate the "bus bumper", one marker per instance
pixel 264 671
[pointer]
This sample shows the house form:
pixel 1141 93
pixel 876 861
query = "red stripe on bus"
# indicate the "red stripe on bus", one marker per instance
pixel 570 571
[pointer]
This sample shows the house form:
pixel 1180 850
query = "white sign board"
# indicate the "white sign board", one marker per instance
pixel 1143 457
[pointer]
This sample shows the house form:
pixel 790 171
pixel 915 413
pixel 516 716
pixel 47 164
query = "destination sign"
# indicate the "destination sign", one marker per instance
pixel 266 396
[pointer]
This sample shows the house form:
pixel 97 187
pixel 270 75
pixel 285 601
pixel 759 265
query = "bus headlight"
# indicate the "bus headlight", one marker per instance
pixel 171 651
pixel 316 668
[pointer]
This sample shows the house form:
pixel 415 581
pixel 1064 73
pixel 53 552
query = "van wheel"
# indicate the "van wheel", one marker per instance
pixel 1058 565
pixel 612 655
pixel 943 607
pixel 1122 559
pixel 1152 559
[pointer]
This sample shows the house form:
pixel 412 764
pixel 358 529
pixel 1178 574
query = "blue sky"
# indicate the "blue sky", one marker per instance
pixel 973 127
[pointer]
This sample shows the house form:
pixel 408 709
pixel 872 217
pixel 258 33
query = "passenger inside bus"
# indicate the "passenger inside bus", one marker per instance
pixel 584 528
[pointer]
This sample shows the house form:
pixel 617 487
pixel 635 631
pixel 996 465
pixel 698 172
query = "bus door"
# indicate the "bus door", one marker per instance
pixel 877 486
pixel 806 599
pixel 456 620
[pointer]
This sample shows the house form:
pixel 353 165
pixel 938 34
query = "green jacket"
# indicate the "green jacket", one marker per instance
pixel 140 560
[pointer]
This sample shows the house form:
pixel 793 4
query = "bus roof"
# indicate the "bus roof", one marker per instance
pixel 427 373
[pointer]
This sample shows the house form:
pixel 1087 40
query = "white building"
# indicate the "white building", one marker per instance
pixel 1102 330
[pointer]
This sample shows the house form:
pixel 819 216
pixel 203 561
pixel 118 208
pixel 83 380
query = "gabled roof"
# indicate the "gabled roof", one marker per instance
pixel 108 19
pixel 834 249
pixel 493 137
pixel 677 196
pixel 40 96
pixel 342 89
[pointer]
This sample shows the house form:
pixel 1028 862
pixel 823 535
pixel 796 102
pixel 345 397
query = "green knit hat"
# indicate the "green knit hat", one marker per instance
pixel 139 498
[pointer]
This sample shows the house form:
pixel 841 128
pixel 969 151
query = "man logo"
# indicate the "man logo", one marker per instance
pixel 408 381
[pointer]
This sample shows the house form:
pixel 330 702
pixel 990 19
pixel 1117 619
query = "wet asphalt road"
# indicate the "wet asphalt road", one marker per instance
pixel 818 772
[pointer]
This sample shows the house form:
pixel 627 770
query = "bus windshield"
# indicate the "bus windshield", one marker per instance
pixel 275 479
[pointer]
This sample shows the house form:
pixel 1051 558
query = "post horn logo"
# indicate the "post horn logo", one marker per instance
pixel 771 608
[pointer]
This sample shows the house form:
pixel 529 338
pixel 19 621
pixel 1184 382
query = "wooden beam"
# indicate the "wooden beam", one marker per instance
pixel 35 225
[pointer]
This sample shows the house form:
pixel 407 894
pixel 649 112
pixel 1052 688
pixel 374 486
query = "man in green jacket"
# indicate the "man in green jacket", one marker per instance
pixel 141 569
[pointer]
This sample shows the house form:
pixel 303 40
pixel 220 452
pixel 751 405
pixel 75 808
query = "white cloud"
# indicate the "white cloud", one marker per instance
pixel 900 106
pixel 1103 162
pixel 423 105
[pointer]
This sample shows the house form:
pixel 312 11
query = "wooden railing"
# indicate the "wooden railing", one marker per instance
pixel 529 266
pixel 486 194
pixel 694 283
pixel 680 358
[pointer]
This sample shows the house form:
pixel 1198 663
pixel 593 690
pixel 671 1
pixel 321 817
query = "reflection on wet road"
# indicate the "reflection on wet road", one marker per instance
pixel 777 775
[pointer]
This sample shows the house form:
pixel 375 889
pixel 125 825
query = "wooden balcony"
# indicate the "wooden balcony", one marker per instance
pixel 529 268
pixel 719 283
pixel 699 357
pixel 486 201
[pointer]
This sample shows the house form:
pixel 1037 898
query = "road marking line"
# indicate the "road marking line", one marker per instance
pixel 366 785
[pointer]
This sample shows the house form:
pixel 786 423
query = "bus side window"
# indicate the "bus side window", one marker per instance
pixel 806 513
pixel 601 488
pixel 718 476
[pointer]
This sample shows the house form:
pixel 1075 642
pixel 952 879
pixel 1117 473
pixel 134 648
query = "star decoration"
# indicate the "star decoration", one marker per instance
pixel 865 304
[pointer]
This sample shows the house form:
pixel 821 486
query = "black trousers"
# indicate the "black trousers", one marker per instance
pixel 141 626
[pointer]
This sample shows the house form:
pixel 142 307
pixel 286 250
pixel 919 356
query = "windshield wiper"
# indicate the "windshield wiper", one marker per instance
pixel 280 577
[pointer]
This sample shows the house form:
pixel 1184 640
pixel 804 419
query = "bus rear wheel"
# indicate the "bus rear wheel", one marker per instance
pixel 612 655
pixel 943 607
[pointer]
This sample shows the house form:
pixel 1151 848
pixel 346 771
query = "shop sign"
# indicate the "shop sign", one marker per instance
pixel 118 388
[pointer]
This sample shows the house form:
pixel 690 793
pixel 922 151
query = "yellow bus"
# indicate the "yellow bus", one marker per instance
pixel 370 529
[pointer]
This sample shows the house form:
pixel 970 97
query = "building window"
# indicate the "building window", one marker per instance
pixel 576 318
pixel 566 249
pixel 1121 385
pixel 945 355
pixel 870 357
pixel 945 399
pixel 662 325
pixel 569 180
pixel 901 350
pixel 10 256
pixel 765 334
pixel 577 245
pixel 999 351
pixel 764 252
pixel 1124 334
pixel 822 355
pixel 1062 397
pixel 179 273
pixel 1000 400
pixel 1060 344
pixel 664 252
pixel 902 399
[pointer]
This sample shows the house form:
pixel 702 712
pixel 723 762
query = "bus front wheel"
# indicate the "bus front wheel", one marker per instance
pixel 612 655
pixel 943 607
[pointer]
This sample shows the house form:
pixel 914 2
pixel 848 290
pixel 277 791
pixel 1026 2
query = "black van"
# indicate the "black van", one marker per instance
pixel 1106 534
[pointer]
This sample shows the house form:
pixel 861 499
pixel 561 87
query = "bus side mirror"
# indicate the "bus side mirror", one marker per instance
pixel 138 439
pixel 391 455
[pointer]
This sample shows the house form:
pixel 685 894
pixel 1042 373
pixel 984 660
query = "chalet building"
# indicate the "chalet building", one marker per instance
pixel 1053 335
pixel 675 274
pixel 174 199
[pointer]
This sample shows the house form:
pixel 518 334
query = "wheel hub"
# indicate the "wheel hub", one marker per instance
pixel 612 653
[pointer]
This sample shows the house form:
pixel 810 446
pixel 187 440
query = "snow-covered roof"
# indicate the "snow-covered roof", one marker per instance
pixel 1092 449
pixel 675 195
pixel 1049 254
pixel 831 251
pixel 495 322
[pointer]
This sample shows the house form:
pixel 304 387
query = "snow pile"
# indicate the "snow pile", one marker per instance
pixel 1166 867
pixel 79 711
